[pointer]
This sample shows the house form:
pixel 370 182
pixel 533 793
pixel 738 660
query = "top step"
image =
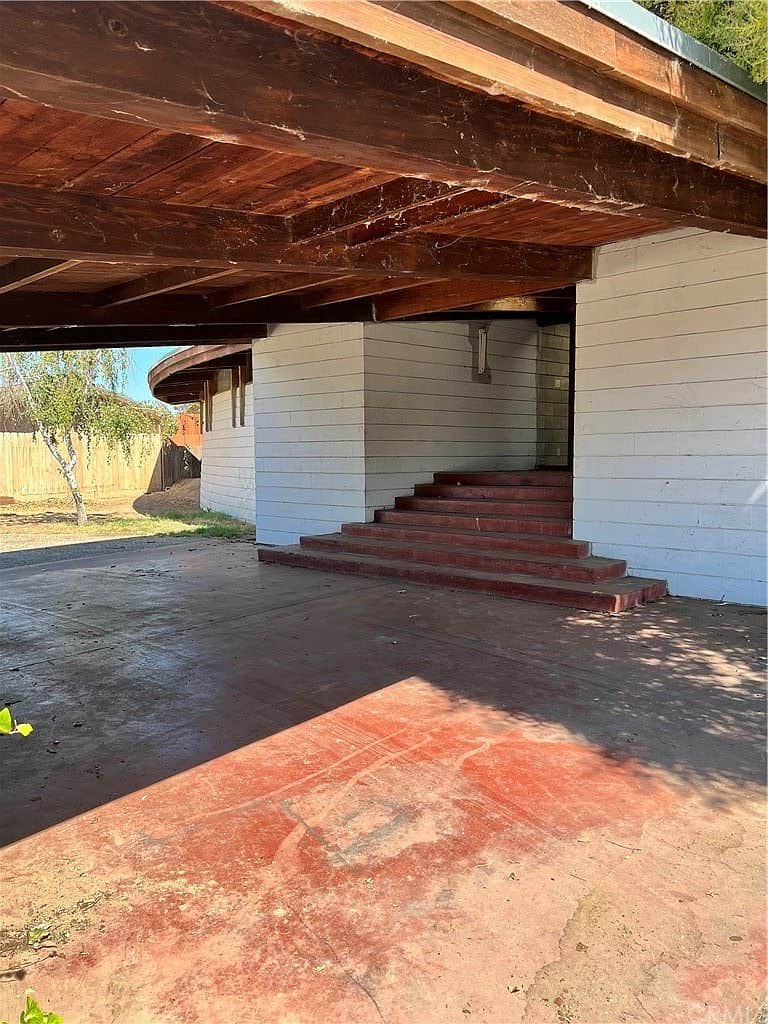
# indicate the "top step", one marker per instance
pixel 518 478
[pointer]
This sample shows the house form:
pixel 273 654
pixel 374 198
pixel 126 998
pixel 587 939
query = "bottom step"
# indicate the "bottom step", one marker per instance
pixel 610 596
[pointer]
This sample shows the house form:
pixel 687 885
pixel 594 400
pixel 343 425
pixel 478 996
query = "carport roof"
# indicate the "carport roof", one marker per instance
pixel 185 172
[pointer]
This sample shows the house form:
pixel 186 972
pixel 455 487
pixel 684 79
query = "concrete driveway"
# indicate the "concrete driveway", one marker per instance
pixel 260 794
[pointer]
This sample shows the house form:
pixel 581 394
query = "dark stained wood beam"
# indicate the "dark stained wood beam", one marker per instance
pixel 345 290
pixel 586 38
pixel 164 313
pixel 161 283
pixel 44 224
pixel 395 197
pixel 431 215
pixel 266 287
pixel 460 49
pixel 449 295
pixel 19 273
pixel 145 62
pixel 55 338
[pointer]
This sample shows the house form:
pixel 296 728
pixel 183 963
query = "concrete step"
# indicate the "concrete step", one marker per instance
pixel 607 596
pixel 584 570
pixel 462 506
pixel 543 477
pixel 478 523
pixel 520 492
pixel 541 545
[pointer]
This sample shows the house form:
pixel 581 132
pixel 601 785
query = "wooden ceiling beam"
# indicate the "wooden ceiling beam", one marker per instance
pixel 55 338
pixel 449 295
pixel 21 272
pixel 144 62
pixel 395 197
pixel 171 314
pixel 161 283
pixel 588 39
pixel 346 290
pixel 431 216
pixel 37 223
pixel 266 287
pixel 453 45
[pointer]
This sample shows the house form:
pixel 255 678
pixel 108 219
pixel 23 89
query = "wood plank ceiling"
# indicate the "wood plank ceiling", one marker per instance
pixel 190 171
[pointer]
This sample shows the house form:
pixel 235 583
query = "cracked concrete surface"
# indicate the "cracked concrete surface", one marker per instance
pixel 306 798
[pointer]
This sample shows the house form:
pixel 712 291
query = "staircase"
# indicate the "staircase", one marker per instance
pixel 501 533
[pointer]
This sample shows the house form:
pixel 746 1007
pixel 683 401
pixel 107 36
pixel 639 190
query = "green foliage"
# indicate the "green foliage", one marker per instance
pixel 76 393
pixel 736 28
pixel 9 725
pixel 32 1014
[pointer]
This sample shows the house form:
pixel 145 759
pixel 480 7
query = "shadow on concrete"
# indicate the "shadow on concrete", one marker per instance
pixel 137 665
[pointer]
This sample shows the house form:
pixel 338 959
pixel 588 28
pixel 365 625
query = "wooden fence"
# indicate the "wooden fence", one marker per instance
pixel 28 472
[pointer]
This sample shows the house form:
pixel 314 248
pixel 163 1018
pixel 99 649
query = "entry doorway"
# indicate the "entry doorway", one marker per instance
pixel 554 394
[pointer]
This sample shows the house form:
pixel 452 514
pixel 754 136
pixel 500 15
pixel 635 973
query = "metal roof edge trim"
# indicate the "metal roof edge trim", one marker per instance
pixel 636 18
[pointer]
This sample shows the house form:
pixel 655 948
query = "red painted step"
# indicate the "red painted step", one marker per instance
pixel 585 570
pixel 523 492
pixel 545 509
pixel 502 533
pixel 472 538
pixel 481 524
pixel 608 596
pixel 543 477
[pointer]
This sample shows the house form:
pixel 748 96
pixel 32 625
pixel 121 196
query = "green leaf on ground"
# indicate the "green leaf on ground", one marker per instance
pixel 32 1014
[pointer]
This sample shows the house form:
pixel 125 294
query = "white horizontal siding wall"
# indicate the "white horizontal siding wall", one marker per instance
pixel 308 430
pixel 425 413
pixel 670 421
pixel 227 473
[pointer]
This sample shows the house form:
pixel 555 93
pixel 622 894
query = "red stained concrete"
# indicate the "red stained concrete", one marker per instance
pixel 258 794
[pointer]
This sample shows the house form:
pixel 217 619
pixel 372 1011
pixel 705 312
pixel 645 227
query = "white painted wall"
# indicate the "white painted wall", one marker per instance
pixel 308 430
pixel 424 412
pixel 348 416
pixel 227 473
pixel 670 421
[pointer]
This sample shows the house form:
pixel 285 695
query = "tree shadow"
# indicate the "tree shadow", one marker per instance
pixel 139 665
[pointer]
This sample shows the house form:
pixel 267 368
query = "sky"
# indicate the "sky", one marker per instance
pixel 141 361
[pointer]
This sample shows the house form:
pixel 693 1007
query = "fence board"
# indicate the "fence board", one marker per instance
pixel 28 472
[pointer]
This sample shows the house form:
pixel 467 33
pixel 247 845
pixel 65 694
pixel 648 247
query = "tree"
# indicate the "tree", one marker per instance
pixel 736 28
pixel 68 395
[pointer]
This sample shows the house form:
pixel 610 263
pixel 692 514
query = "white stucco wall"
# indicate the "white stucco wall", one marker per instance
pixel 670 421
pixel 425 413
pixel 227 472
pixel 308 430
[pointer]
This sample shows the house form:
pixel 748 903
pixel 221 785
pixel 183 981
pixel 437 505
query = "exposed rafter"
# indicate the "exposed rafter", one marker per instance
pixel 19 273
pixel 161 283
pixel 452 44
pixel 144 62
pixel 266 287
pixel 344 291
pixel 450 295
pixel 54 338
pixel 396 197
pixel 47 224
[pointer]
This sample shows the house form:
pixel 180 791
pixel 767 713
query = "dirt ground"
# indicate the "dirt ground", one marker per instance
pixel 271 796
pixel 33 525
